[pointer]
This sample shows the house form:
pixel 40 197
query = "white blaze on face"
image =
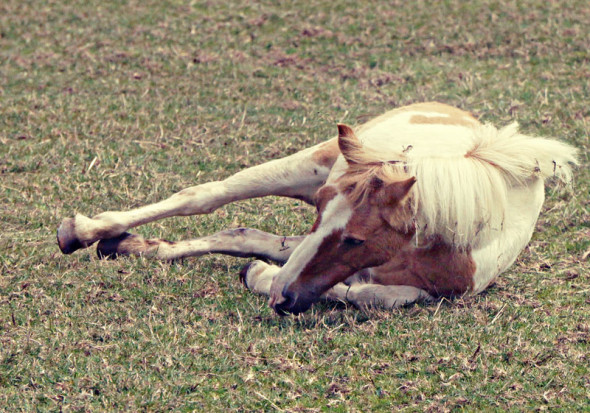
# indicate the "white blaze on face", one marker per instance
pixel 334 217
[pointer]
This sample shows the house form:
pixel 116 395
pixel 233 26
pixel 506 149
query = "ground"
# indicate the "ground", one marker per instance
pixel 109 105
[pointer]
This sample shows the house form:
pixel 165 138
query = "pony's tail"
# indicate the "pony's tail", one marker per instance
pixel 521 157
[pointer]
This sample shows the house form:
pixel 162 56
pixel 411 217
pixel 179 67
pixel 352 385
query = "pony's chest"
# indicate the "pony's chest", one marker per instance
pixel 439 270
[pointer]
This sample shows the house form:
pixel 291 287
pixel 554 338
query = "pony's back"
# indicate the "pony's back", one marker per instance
pixel 465 170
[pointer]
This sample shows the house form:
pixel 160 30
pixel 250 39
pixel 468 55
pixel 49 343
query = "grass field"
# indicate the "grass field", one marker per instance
pixel 110 105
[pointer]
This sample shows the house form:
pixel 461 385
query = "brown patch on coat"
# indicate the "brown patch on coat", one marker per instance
pixel 326 154
pixel 441 108
pixel 128 244
pixel 453 116
pixel 441 120
pixel 426 107
pixel 438 269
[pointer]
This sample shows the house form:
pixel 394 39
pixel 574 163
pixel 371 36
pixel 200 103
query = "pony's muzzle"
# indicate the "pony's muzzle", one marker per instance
pixel 287 297
pixel 284 306
pixel 291 303
pixel 283 303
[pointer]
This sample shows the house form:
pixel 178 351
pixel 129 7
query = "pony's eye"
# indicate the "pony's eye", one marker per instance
pixel 353 242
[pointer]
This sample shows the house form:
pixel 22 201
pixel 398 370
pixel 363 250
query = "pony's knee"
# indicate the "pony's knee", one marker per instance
pixel 200 199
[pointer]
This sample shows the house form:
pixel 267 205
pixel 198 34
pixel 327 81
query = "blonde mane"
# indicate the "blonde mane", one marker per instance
pixel 460 197
pixel 359 180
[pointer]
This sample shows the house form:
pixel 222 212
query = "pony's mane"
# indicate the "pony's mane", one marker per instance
pixel 359 180
pixel 461 198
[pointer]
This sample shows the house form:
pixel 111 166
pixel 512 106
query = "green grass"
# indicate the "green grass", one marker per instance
pixel 160 95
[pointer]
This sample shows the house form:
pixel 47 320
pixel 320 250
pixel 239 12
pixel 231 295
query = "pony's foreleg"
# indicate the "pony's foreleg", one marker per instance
pixel 258 275
pixel 298 176
pixel 376 295
pixel 240 242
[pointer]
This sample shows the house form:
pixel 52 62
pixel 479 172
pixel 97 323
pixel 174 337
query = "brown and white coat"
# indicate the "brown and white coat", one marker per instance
pixel 421 202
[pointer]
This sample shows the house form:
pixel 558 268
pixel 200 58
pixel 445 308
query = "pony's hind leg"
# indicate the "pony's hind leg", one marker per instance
pixel 240 242
pixel 298 176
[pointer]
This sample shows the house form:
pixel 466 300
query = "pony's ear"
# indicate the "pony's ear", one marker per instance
pixel 349 144
pixel 396 192
pixel 391 196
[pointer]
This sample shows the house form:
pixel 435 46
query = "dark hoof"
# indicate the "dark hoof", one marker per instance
pixel 66 237
pixel 110 248
pixel 244 273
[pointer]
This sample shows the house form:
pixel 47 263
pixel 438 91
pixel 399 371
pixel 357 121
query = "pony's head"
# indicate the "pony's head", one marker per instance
pixel 364 219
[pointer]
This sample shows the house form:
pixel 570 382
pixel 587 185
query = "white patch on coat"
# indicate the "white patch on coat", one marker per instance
pixel 523 208
pixel 335 216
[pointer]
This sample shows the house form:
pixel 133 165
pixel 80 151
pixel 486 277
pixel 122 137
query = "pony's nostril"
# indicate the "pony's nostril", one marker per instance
pixel 290 298
pixel 286 302
pixel 292 302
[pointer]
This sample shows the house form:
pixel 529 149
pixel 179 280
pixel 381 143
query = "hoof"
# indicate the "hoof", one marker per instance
pixel 66 237
pixel 244 273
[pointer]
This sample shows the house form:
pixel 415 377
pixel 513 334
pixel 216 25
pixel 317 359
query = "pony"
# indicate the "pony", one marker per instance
pixel 419 203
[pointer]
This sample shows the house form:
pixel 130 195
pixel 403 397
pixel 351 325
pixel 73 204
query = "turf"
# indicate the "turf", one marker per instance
pixel 110 105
